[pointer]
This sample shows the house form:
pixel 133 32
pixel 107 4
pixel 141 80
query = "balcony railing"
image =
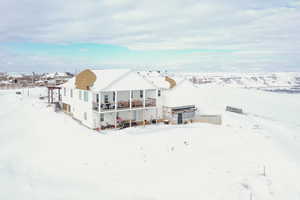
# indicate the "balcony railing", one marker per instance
pixel 136 103
pixel 107 106
pixel 123 104
pixel 150 102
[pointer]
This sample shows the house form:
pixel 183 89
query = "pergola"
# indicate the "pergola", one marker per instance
pixel 50 93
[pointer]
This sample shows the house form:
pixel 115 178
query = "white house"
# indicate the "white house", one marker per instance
pixel 103 99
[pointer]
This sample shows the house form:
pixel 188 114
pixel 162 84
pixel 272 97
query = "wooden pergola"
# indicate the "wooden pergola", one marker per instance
pixel 50 93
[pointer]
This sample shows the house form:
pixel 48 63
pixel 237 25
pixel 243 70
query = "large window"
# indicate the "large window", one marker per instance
pixel 65 91
pixel 86 96
pixel 71 93
pixel 85 116
pixel 101 117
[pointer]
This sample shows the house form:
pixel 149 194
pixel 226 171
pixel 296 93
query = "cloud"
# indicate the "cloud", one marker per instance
pixel 248 26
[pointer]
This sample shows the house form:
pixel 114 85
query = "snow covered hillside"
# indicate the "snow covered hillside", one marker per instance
pixel 266 81
pixel 47 155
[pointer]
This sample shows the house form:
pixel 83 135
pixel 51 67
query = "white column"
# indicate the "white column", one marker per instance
pixel 116 119
pixel 143 116
pixel 130 100
pixel 156 98
pixel 99 101
pixel 116 105
pixel 156 115
pixel 116 100
pixel 130 121
pixel 144 95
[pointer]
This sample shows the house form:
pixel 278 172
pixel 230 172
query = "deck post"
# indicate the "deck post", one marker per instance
pixel 156 115
pixel 130 121
pixel 51 95
pixel 115 119
pixel 59 97
pixel 130 99
pixel 143 117
pixel 116 100
pixel 48 95
pixel 144 99
pixel 99 101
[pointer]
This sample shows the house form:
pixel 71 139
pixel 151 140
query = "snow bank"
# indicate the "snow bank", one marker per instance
pixel 47 155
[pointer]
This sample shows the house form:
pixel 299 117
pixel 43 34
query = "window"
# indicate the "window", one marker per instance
pixel 101 117
pixel 65 91
pixel 85 116
pixel 71 93
pixel 80 95
pixel 105 98
pixel 158 93
pixel 141 93
pixel 86 96
pixel 97 98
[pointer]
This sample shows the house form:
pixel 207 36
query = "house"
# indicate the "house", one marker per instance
pixel 102 99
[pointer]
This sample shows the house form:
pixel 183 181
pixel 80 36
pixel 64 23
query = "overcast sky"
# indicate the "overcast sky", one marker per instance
pixel 185 35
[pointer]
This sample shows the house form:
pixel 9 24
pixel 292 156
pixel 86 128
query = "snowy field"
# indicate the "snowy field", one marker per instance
pixel 48 156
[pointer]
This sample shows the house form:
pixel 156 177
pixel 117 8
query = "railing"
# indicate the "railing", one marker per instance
pixel 136 103
pixel 107 106
pixel 123 104
pixel 150 102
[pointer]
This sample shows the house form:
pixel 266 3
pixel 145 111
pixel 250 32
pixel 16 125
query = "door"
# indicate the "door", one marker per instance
pixel 179 120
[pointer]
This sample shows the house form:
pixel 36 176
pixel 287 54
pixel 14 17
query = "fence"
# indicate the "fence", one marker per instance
pixel 211 119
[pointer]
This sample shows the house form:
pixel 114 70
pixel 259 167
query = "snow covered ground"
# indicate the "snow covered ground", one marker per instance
pixel 47 155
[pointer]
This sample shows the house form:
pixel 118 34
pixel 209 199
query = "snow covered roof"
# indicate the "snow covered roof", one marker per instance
pixel 157 79
pixel 106 77
pixel 116 79
pixel 181 95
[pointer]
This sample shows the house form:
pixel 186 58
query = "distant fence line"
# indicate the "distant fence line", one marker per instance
pixel 211 119
pixel 12 87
